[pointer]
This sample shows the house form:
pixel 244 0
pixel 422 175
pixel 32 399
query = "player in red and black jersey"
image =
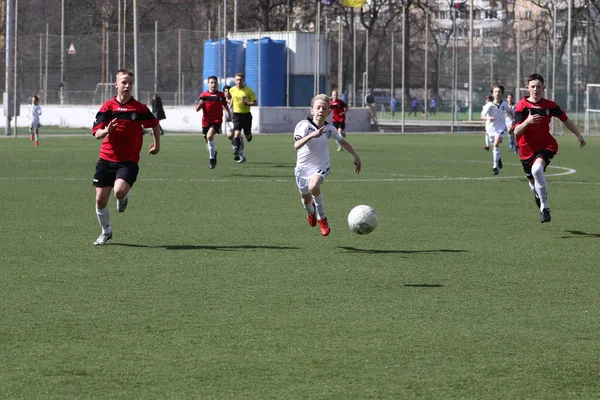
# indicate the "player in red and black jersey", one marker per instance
pixel 339 109
pixel 212 102
pixel 120 124
pixel 536 145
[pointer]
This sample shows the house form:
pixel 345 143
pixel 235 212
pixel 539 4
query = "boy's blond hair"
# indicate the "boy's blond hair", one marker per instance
pixel 320 96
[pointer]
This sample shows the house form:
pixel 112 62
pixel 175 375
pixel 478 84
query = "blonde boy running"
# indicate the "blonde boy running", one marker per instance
pixel 311 138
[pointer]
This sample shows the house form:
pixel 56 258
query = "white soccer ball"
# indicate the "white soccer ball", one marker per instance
pixel 362 219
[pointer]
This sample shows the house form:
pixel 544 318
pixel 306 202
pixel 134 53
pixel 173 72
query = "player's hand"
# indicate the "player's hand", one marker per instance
pixel 582 141
pixel 229 119
pixel 487 148
pixel 111 126
pixel 154 149
pixel 318 132
pixel 357 164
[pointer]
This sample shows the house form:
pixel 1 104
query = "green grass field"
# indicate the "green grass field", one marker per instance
pixel 215 287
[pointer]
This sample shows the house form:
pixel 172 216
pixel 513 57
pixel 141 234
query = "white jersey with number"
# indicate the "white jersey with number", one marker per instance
pixel 498 111
pixel 313 157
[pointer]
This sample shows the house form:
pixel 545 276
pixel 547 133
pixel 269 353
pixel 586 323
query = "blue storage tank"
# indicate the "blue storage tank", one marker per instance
pixel 302 87
pixel 212 62
pixel 266 59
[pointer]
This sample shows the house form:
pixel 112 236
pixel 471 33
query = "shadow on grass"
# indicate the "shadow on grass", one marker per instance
pixel 580 233
pixel 373 251
pixel 207 247
pixel 271 176
pixel 424 285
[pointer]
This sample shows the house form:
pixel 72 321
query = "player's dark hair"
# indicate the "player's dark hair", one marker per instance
pixel 226 87
pixel 535 77
pixel 212 77
pixel 499 86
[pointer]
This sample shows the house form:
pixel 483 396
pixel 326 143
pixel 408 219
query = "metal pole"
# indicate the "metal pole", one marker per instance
pixel 554 55
pixel 287 58
pixel 353 59
pixel 366 87
pixel 340 58
pixel 317 74
pixel 518 55
pixel 41 83
pixel 403 63
pixel 62 52
pixel 259 70
pixel 453 96
pixel 9 59
pixel 224 42
pixel 124 63
pixel 470 60
pixel 155 56
pixel 46 68
pixel 107 79
pixel 15 89
pixel 426 72
pixel 179 69
pixel 118 33
pixel 235 6
pixel 136 49
pixel 392 56
pixel 569 54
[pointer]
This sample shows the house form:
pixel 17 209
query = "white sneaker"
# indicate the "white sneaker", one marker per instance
pixel 242 159
pixel 102 239
pixel 122 204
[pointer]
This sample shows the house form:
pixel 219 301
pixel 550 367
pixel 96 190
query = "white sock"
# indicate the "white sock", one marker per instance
pixel 496 153
pixel 309 207
pixel 540 184
pixel 320 206
pixel 104 219
pixel 36 137
pixel 211 148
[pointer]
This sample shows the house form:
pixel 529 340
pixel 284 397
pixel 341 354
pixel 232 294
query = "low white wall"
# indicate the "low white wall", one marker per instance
pixel 186 119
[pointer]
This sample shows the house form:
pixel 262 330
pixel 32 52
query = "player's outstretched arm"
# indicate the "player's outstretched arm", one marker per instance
pixel 573 128
pixel 155 145
pixel 348 147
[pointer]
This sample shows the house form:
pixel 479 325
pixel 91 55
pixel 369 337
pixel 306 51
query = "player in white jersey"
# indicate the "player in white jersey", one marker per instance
pixel 311 138
pixel 495 113
pixel 510 121
pixel 33 114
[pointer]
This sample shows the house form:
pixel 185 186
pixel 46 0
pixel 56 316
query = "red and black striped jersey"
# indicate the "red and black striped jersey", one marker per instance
pixel 537 137
pixel 212 108
pixel 124 143
pixel 339 108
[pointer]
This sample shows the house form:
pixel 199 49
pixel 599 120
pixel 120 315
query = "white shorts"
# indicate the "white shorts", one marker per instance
pixel 302 183
pixel 491 137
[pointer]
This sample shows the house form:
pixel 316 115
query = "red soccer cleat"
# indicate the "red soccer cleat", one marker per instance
pixel 324 226
pixel 312 218
pixel 31 137
pixel 37 143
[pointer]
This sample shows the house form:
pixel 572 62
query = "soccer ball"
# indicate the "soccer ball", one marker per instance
pixel 362 219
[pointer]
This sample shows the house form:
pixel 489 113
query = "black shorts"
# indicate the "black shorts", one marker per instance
pixel 107 172
pixel 546 155
pixel 339 125
pixel 211 125
pixel 243 122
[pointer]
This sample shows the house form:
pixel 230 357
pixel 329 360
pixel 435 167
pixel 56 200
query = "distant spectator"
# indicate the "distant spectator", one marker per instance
pixel 432 106
pixel 370 100
pixel 414 106
pixel 393 103
pixel 158 110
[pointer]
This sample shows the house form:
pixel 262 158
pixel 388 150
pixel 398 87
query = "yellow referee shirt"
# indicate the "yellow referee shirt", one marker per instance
pixel 237 94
